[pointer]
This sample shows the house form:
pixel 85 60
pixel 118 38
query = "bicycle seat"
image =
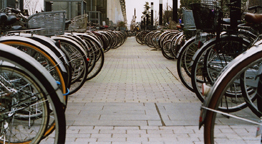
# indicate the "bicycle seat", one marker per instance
pixel 253 18
pixel 180 26
pixel 3 17
pixel 68 22
pixel 11 19
pixel 18 27
pixel 227 21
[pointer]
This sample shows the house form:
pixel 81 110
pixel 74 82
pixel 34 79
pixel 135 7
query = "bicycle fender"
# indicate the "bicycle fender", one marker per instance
pixel 6 49
pixel 91 38
pixel 35 43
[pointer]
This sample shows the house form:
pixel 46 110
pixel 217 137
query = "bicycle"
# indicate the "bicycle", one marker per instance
pixel 214 55
pixel 26 85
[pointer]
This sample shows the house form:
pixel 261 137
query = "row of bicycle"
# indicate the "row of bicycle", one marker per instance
pixel 168 41
pixel 222 67
pixel 38 73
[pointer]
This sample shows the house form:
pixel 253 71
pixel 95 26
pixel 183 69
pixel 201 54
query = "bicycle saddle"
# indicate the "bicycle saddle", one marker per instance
pixel 68 22
pixel 11 19
pixel 18 27
pixel 3 17
pixel 253 18
pixel 227 21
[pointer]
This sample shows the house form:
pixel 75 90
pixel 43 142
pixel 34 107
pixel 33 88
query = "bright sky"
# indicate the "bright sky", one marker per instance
pixel 139 5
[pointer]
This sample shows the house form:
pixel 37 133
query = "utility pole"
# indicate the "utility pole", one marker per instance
pixel 147 19
pixel 152 13
pixel 175 10
pixel 144 23
pixel 160 11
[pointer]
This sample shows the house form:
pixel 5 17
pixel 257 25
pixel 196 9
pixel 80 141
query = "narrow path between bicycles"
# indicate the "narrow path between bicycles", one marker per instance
pixel 137 98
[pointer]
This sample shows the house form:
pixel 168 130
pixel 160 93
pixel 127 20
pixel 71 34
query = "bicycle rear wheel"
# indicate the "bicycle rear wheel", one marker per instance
pixel 79 61
pixel 166 50
pixel 32 75
pixel 223 84
pixel 24 113
pixel 185 62
pixel 210 61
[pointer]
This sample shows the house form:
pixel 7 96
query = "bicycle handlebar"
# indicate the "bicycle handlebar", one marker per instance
pixel 255 8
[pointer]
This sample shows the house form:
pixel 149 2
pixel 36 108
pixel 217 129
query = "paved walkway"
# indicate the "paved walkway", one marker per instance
pixel 138 99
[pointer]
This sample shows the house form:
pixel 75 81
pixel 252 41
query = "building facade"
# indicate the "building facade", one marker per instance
pixel 108 12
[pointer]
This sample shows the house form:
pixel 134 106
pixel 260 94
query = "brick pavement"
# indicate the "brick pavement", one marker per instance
pixel 138 99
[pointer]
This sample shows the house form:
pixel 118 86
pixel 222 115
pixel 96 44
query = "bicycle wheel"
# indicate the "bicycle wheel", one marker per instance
pixel 97 56
pixel 185 61
pixel 91 50
pixel 79 61
pixel 47 59
pixel 230 75
pixel 179 44
pixel 155 39
pixel 250 81
pixel 27 77
pixel 99 62
pixel 148 39
pixel 23 112
pixel 210 61
pixel 166 50
pixel 175 41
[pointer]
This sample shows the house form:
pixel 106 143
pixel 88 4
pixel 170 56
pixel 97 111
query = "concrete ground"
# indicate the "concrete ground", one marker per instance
pixel 138 98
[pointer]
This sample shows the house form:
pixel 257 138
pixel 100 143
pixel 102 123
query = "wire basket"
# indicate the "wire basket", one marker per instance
pixel 188 19
pixel 79 23
pixel 209 2
pixel 51 23
pixel 206 16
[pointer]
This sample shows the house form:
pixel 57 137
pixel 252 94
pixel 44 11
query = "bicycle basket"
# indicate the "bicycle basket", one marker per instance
pixel 79 23
pixel 188 19
pixel 52 23
pixel 206 16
